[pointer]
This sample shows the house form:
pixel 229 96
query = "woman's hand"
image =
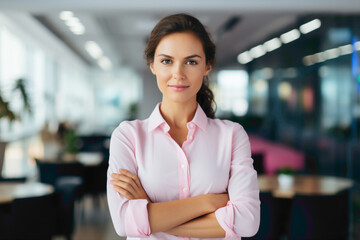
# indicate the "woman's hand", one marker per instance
pixel 128 185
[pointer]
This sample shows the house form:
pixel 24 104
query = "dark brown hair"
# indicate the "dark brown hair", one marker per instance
pixel 186 23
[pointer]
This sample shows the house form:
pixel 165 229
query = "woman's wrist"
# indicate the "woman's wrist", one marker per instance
pixel 215 201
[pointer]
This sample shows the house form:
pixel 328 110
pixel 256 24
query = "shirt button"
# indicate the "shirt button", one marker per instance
pixel 190 137
pixel 191 125
pixel 182 165
pixel 184 190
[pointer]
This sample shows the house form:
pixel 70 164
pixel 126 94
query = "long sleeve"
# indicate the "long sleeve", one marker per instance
pixel 130 217
pixel 241 216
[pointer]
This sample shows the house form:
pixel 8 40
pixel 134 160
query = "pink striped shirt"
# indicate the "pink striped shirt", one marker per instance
pixel 215 158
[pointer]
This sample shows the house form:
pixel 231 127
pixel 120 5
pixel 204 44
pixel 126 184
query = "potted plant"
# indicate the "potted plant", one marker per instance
pixel 70 142
pixel 285 177
pixel 71 145
pixel 7 113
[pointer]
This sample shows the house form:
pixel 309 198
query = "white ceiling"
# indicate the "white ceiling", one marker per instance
pixel 121 27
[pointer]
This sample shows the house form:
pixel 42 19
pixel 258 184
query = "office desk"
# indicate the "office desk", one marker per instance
pixel 304 184
pixel 10 191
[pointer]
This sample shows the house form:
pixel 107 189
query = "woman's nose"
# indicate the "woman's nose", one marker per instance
pixel 178 72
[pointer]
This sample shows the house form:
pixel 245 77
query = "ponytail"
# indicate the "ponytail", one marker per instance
pixel 205 98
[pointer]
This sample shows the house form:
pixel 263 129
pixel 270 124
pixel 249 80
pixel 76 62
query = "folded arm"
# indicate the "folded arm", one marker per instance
pixel 205 226
pixel 166 216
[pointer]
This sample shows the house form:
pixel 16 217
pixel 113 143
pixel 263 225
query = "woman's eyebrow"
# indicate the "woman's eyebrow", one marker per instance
pixel 193 56
pixel 168 56
pixel 164 55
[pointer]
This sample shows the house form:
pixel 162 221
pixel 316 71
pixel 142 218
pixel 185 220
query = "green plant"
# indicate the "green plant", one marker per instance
pixel 286 170
pixel 6 111
pixel 71 141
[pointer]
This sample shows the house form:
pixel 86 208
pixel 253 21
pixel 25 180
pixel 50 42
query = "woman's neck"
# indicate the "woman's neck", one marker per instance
pixel 178 114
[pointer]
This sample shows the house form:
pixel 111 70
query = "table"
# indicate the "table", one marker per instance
pixel 10 191
pixel 304 184
pixel 87 159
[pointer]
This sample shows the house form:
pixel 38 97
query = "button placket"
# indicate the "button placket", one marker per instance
pixel 191 129
pixel 184 184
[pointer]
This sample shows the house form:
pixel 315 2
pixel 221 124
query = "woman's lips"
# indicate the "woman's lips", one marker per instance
pixel 178 88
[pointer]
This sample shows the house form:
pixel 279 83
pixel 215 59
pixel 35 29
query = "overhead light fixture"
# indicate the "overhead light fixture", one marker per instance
pixel 73 23
pixel 319 57
pixel 290 36
pixel 310 26
pixel 244 57
pixel 346 49
pixel 332 53
pixel 257 51
pixel 272 44
pixel 105 63
pixel 308 60
pixel 78 30
pixel 65 15
pixel 93 49
pixel 357 45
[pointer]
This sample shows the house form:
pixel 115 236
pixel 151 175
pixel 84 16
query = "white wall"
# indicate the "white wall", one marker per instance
pixel 151 95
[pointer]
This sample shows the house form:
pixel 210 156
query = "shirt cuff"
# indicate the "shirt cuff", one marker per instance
pixel 136 219
pixel 225 217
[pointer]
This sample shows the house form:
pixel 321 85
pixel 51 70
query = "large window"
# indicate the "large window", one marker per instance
pixel 52 83
pixel 232 92
pixel 12 67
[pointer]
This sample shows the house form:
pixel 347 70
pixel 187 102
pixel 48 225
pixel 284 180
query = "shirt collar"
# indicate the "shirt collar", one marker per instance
pixel 156 119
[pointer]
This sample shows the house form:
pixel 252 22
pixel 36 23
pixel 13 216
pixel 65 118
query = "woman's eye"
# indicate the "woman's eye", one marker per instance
pixel 166 61
pixel 191 62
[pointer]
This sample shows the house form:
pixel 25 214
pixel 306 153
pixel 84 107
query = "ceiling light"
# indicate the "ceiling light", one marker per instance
pixel 65 15
pixel 332 53
pixel 346 49
pixel 257 51
pixel 308 60
pixel 105 63
pixel 93 49
pixel 78 30
pixel 290 36
pixel 357 45
pixel 319 57
pixel 272 44
pixel 310 26
pixel 244 58
pixel 72 22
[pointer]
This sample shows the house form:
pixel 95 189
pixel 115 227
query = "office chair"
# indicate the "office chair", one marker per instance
pixel 317 217
pixel 49 171
pixel 258 163
pixel 33 218
pixel 272 220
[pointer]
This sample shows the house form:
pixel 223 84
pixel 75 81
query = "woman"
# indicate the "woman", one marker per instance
pixel 181 172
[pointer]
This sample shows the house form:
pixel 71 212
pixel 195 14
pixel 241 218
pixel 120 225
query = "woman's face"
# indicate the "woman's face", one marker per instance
pixel 179 65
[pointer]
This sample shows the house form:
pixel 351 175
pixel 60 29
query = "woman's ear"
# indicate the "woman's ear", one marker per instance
pixel 208 69
pixel 152 68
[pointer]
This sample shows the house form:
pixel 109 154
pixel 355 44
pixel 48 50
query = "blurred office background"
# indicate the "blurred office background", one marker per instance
pixel 287 71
